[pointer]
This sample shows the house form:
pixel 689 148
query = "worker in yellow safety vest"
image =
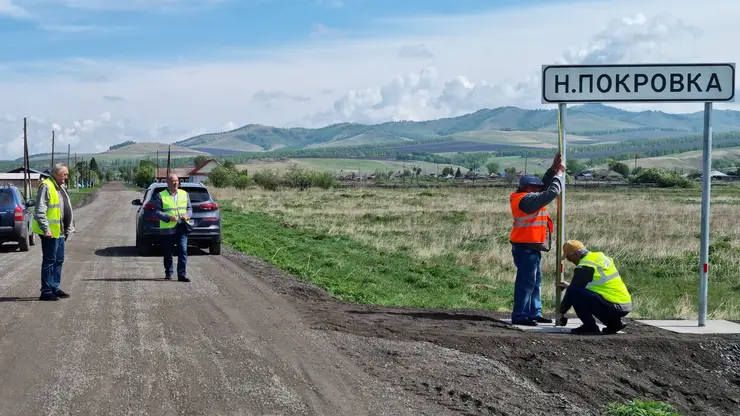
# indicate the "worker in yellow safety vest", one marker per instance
pixel 53 221
pixel 173 208
pixel 531 235
pixel 596 291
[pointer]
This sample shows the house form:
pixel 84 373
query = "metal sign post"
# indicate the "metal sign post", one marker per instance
pixel 560 238
pixel 657 83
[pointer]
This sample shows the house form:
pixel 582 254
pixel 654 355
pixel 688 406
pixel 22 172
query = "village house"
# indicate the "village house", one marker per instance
pixel 198 174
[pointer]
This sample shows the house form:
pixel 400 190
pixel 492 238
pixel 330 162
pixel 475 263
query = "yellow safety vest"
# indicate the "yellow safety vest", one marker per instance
pixel 607 281
pixel 169 208
pixel 53 211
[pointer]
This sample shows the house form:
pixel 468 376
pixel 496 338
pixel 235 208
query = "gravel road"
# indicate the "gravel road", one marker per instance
pixel 128 342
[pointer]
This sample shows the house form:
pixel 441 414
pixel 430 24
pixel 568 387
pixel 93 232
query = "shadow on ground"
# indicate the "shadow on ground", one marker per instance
pixel 130 251
pixel 441 316
pixel 125 279
pixel 19 299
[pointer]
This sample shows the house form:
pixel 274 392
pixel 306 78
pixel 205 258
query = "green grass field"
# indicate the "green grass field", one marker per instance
pixel 688 161
pixel 338 166
pixel 519 138
pixel 449 247
pixel 78 195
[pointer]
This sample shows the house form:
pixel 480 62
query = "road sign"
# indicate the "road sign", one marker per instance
pixel 659 83
pixel 638 83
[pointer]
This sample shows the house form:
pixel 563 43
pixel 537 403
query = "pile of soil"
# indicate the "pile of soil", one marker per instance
pixel 474 363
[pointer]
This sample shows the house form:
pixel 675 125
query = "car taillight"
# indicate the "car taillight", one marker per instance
pixel 148 207
pixel 18 217
pixel 209 206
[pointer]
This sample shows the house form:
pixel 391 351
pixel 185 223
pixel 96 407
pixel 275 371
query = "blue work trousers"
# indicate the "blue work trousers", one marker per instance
pixel 52 251
pixel 527 287
pixel 168 242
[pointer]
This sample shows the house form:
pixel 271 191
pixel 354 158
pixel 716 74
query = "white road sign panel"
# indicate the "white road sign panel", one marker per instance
pixel 638 83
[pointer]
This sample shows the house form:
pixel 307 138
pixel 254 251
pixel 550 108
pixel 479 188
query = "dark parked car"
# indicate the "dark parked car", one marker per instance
pixel 206 219
pixel 15 218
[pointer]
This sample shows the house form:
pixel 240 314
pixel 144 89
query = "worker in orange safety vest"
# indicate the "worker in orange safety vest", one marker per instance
pixel 531 234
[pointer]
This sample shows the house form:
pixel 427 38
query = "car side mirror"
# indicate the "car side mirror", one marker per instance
pixel 136 201
pixel 30 203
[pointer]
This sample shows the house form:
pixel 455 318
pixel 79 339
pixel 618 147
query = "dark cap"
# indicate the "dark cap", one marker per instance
pixel 529 180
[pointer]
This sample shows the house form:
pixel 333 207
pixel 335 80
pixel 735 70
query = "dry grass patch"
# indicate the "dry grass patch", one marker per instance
pixel 652 234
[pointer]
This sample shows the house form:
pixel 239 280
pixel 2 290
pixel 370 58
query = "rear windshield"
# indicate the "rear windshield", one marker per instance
pixel 198 195
pixel 6 198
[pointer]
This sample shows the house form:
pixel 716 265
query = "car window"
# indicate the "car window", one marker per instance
pixel 198 195
pixel 6 197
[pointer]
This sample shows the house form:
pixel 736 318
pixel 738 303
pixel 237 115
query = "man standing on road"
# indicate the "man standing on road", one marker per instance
pixel 53 222
pixel 173 208
pixel 596 290
pixel 531 234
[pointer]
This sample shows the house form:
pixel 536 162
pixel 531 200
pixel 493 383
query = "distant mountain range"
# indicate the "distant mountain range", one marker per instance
pixel 503 128
pixel 589 124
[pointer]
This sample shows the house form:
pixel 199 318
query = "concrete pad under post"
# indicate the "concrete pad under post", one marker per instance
pixel 552 329
pixel 691 326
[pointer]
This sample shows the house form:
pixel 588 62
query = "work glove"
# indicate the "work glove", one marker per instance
pixel 562 320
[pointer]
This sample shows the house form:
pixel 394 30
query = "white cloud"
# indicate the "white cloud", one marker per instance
pixel 415 51
pixel 8 8
pixel 485 60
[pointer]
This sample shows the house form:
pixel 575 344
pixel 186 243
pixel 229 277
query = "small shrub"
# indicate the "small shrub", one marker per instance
pixel 242 181
pixel 297 177
pixel 323 180
pixel 661 178
pixel 222 177
pixel 267 179
pixel 640 408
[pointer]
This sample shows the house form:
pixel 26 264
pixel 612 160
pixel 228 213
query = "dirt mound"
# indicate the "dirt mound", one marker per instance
pixel 472 362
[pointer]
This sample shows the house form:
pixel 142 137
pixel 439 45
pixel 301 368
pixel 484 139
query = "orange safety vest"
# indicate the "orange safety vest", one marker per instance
pixel 528 228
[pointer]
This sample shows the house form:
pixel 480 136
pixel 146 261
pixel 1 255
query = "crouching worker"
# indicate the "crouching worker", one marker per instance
pixel 596 291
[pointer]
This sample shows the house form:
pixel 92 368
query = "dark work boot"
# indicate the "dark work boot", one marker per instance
pixel 48 296
pixel 543 320
pixel 61 294
pixel 586 330
pixel 611 330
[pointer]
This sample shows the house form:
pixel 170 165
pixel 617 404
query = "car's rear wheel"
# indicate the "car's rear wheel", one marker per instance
pixel 31 238
pixel 215 248
pixel 142 247
pixel 23 241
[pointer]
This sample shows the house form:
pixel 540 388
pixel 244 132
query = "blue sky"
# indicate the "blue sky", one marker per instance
pixel 99 72
pixel 193 28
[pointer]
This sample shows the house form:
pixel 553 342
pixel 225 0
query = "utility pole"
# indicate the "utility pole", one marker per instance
pixel 169 148
pixel 68 167
pixel 526 159
pixel 26 163
pixel 635 162
pixel 52 150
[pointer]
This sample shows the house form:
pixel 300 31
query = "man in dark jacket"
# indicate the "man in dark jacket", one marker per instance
pixel 531 235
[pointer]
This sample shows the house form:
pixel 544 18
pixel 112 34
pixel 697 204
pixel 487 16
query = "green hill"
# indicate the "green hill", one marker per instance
pixel 586 124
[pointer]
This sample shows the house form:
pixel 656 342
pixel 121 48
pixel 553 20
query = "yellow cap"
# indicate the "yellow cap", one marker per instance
pixel 571 246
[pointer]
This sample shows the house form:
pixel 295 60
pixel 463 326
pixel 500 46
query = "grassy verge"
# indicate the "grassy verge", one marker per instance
pixel 78 196
pixel 641 408
pixel 449 246
pixel 354 271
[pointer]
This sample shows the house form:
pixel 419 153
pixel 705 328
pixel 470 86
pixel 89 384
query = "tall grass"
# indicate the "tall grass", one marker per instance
pixel 653 235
